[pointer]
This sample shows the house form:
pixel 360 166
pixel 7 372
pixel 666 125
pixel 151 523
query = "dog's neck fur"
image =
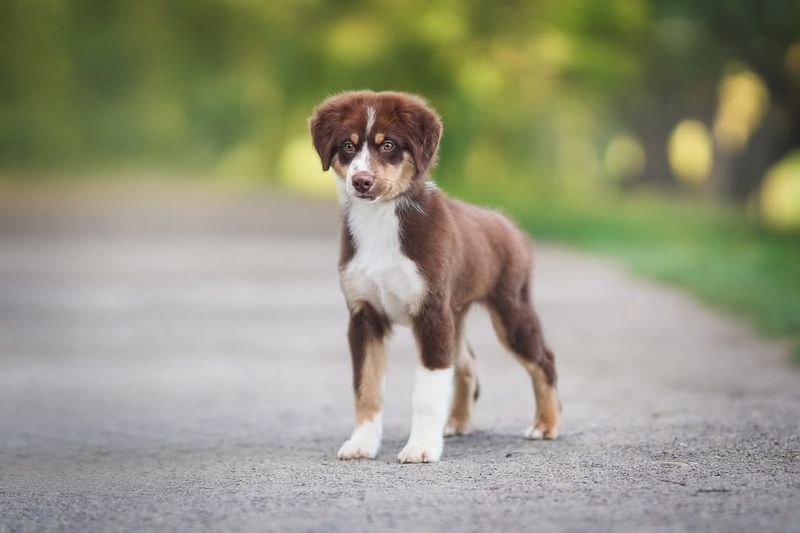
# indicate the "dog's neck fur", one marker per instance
pixel 364 218
pixel 379 272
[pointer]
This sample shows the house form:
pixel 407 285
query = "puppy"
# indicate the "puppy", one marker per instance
pixel 412 256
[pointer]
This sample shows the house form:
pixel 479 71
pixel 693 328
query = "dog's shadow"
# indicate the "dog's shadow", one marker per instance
pixel 480 443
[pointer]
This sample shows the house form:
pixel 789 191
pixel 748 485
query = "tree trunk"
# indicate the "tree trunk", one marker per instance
pixel 776 136
pixel 654 136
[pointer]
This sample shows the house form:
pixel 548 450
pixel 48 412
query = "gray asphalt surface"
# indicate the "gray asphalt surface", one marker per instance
pixel 177 361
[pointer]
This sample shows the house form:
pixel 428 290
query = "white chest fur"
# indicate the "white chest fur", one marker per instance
pixel 380 273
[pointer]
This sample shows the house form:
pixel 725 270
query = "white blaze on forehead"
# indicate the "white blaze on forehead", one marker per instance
pixel 361 162
pixel 370 119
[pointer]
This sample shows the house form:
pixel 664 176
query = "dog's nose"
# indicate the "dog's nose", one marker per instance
pixel 363 182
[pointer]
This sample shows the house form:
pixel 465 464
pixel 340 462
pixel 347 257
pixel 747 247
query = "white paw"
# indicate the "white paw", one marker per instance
pixel 417 452
pixel 365 440
pixel 537 433
pixel 534 433
pixel 452 430
pixel 355 448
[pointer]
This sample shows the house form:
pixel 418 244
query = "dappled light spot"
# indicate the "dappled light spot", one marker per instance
pixel 743 99
pixel 441 25
pixel 356 41
pixel 780 193
pixel 481 79
pixel 690 151
pixel 624 157
pixel 552 49
pixel 300 169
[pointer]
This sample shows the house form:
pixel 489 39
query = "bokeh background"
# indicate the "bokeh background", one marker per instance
pixel 665 133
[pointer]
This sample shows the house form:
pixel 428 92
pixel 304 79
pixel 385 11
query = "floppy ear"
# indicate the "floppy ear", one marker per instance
pixel 323 125
pixel 425 130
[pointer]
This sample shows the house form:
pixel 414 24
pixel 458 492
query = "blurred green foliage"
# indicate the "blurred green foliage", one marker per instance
pixel 531 92
pixel 730 263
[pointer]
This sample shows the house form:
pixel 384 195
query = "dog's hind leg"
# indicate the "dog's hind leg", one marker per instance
pixel 465 391
pixel 519 329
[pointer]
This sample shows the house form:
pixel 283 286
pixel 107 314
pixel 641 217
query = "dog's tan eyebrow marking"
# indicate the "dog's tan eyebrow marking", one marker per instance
pixel 354 138
pixel 379 137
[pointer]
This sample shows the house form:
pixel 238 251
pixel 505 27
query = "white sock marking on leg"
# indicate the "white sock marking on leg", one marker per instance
pixel 433 392
pixel 365 440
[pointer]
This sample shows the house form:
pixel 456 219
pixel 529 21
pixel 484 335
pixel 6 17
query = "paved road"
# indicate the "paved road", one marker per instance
pixel 177 361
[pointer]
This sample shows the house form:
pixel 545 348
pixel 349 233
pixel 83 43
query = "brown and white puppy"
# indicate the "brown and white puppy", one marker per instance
pixel 410 255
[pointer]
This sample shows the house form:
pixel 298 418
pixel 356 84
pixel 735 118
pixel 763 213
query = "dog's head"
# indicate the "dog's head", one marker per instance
pixel 378 144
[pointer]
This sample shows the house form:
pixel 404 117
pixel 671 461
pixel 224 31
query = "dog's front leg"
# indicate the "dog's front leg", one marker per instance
pixel 433 385
pixel 366 334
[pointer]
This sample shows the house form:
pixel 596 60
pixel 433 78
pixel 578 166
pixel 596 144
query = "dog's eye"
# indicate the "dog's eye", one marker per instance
pixel 387 146
pixel 349 147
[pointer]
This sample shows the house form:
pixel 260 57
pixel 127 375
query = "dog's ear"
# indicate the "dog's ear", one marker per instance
pixel 323 124
pixel 425 130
